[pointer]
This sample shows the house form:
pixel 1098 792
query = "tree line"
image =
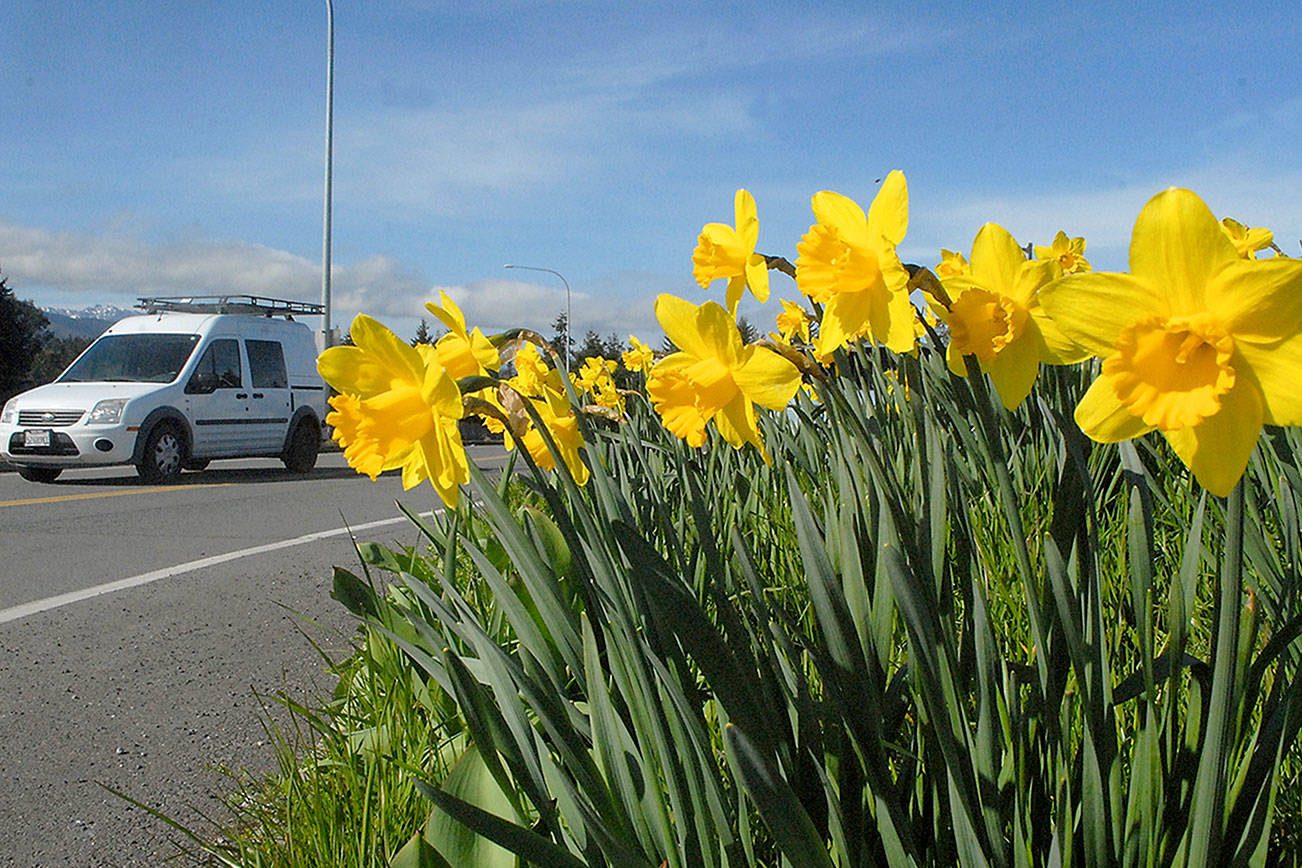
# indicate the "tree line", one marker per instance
pixel 30 354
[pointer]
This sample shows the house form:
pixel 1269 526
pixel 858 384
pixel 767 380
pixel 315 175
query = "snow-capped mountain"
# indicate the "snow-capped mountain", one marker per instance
pixel 109 313
pixel 86 322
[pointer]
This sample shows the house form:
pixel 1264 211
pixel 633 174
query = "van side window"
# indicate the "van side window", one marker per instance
pixel 267 364
pixel 220 364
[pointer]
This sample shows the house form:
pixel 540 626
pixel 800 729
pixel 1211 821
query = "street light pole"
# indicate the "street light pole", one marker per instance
pixel 565 356
pixel 327 335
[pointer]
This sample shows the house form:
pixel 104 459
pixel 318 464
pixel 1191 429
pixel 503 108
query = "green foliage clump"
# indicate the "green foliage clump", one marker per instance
pixel 24 330
pixel 928 632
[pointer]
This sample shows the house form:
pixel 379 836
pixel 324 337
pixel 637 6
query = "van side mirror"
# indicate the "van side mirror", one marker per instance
pixel 202 383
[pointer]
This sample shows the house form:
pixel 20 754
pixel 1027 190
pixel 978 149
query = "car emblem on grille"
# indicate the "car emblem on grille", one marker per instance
pixel 47 416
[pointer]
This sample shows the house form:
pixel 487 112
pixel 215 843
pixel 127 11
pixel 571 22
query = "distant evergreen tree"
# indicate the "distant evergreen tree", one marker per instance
pixel 423 335
pixel 55 356
pixel 560 331
pixel 24 329
pixel 594 346
pixel 749 334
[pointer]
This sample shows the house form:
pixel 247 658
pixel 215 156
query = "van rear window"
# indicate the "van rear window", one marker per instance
pixel 267 364
pixel 143 358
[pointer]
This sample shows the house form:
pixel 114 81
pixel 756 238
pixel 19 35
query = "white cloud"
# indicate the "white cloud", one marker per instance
pixel 112 267
pixel 1105 217
pixel 82 269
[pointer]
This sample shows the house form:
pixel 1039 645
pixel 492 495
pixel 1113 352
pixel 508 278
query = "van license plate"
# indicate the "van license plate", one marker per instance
pixel 36 437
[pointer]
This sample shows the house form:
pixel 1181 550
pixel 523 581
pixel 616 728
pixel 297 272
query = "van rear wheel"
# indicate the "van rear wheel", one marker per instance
pixel 304 444
pixel 40 474
pixel 163 455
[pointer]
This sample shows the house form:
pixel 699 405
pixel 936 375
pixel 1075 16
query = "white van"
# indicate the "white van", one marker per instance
pixel 190 380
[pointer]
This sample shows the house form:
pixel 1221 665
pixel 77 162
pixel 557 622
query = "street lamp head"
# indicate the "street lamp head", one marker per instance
pixel 567 304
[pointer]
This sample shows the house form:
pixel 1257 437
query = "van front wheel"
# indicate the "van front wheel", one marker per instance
pixel 163 455
pixel 40 474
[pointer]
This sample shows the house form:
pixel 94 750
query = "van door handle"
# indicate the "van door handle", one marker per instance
pixel 242 395
pixel 258 395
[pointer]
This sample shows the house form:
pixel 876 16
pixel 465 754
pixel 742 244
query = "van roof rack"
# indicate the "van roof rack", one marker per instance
pixel 255 305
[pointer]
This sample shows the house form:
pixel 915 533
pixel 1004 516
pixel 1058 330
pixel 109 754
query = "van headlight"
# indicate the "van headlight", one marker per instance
pixel 107 412
pixel 7 415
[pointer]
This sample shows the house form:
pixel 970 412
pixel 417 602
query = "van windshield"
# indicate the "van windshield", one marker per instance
pixel 147 358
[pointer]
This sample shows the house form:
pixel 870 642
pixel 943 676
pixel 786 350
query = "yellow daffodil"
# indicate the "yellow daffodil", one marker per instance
pixel 847 262
pixel 995 315
pixel 563 426
pixel 1247 241
pixel 1196 341
pixel 951 265
pixel 793 322
pixel 594 378
pixel 531 371
pixel 924 317
pixel 638 357
pixel 461 353
pixel 541 386
pixel 723 251
pixel 397 408
pixel 714 376
pixel 1069 253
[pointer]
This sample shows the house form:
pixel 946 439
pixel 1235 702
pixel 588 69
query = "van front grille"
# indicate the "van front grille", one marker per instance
pixel 60 444
pixel 48 418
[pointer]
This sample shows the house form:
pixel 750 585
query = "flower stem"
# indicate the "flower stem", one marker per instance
pixel 1205 830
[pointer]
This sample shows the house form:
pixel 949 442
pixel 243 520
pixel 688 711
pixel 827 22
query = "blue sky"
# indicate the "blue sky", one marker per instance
pixel 177 147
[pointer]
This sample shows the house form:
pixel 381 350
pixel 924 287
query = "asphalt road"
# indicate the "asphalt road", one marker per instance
pixel 137 626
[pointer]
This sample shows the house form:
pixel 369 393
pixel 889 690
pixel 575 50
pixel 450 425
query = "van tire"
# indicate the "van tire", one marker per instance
pixel 304 444
pixel 164 454
pixel 40 474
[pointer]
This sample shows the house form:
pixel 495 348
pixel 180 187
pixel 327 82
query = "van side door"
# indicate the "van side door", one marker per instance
pixel 217 401
pixel 269 397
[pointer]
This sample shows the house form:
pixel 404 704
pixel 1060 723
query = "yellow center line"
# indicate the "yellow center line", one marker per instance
pixel 35 500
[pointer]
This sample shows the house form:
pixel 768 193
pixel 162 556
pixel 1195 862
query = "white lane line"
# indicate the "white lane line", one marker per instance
pixel 22 611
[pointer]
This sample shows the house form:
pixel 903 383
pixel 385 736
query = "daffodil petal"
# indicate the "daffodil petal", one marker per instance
pixel 954 359
pixel 1276 371
pixel 353 371
pixel 844 316
pixel 767 378
pixel 757 277
pixel 444 463
pixel 448 311
pixel 395 354
pixel 1178 247
pixel 1030 276
pixel 888 215
pixel 996 260
pixel 440 392
pixel 1259 300
pixel 1055 347
pixel 413 468
pixel 1102 416
pixel 747 219
pixel 484 350
pixel 1218 449
pixel 1014 370
pixel 1092 309
pixel 844 215
pixel 736 289
pixel 736 422
pixel 705 331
